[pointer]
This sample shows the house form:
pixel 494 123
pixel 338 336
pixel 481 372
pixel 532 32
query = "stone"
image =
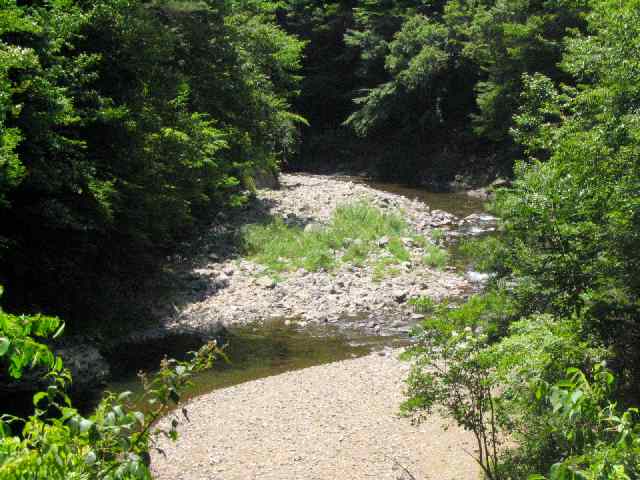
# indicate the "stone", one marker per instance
pixel 266 282
pixel 383 241
pixel 88 367
pixel 199 285
pixel 408 242
pixel 477 277
pixel 501 183
pixel 399 295
pixel 222 281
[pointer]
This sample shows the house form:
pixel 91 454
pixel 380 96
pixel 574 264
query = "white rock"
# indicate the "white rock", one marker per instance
pixel 399 295
pixel 383 241
pixel 266 282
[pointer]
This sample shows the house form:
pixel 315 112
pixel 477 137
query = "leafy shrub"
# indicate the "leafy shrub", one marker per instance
pixel 451 372
pixel 602 441
pixel 490 384
pixel 57 442
pixel 485 254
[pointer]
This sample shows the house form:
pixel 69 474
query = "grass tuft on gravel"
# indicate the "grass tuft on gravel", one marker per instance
pixel 435 256
pixel 354 228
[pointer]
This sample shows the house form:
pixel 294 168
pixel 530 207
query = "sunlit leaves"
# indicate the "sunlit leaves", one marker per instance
pixel 57 442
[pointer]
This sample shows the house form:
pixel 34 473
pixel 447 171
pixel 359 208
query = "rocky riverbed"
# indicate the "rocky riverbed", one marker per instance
pixel 228 289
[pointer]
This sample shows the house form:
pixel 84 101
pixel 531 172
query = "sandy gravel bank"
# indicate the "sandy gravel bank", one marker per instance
pixel 335 421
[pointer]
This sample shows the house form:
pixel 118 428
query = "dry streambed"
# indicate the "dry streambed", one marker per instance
pixel 334 421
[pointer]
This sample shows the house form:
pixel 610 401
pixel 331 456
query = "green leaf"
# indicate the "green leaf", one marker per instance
pixel 85 425
pixel 5 343
pixel 37 398
pixel 124 396
pixel 59 331
pixel 139 417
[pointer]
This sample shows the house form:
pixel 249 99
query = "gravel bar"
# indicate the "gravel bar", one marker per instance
pixel 335 421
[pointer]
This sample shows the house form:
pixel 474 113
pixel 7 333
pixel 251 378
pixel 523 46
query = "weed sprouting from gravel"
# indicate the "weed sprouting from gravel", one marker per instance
pixel 355 231
pixel 435 256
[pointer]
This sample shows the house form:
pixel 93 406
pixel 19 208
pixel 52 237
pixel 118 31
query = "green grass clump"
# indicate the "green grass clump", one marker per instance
pixel 435 256
pixel 357 253
pixel 384 268
pixel 356 228
pixel 423 304
pixel 360 220
pixel 281 247
pixel 396 248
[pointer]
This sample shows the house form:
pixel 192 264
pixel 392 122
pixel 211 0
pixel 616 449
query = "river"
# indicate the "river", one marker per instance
pixel 278 345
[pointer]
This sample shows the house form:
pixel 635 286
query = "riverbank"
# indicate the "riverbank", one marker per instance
pixel 335 421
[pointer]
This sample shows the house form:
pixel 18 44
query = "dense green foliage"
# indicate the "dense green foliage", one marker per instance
pixel 121 124
pixel 525 359
pixel 432 86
